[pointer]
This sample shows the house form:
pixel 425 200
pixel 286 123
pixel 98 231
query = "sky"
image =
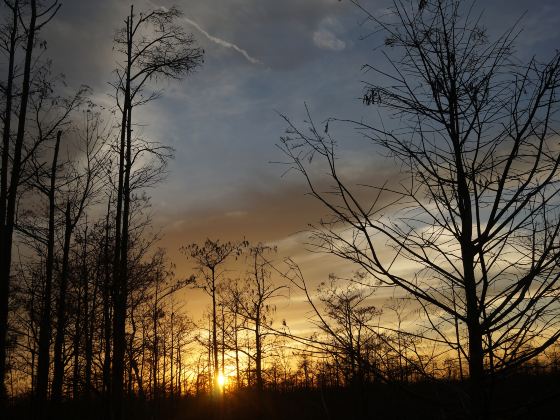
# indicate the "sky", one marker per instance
pixel 263 58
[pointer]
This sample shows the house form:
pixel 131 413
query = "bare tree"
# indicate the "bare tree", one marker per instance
pixel 41 175
pixel 348 321
pixel 153 48
pixel 83 184
pixel 162 287
pixel 45 323
pixel 254 301
pixel 209 259
pixel 38 17
pixel 477 212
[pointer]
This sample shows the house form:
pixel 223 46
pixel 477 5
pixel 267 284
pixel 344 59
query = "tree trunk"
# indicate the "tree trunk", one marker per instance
pixel 223 340
pixel 89 323
pixel 476 356
pixel 45 323
pixel 155 352
pixel 8 224
pixel 215 332
pixel 107 309
pixel 258 354
pixel 76 347
pixel 58 373
pixel 171 354
pixel 235 332
pixel 121 237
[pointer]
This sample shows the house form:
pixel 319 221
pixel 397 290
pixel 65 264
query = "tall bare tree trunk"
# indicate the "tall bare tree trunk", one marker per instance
pixel 107 308
pixel 6 133
pixel 45 323
pixel 121 242
pixel 215 332
pixel 76 347
pixel 58 373
pixel 236 339
pixel 89 333
pixel 171 354
pixel 258 353
pixel 476 357
pixel 11 196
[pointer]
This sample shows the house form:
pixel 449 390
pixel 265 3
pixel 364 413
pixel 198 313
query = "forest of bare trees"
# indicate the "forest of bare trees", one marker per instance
pixel 452 309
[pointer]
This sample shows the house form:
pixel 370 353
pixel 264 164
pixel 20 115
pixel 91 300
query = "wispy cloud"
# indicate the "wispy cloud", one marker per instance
pixel 215 39
pixel 325 37
pixel 326 40
pixel 223 42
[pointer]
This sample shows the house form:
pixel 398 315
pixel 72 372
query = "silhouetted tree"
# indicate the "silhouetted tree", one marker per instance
pixel 153 48
pixel 208 259
pixel 254 302
pixel 347 323
pixel 83 186
pixel 13 154
pixel 46 310
pixel 476 213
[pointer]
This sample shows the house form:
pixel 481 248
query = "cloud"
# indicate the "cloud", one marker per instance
pixel 215 39
pixel 326 40
pixel 325 37
pixel 222 42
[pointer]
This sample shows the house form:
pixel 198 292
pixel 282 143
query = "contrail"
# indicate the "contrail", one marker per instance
pixel 214 39
pixel 223 42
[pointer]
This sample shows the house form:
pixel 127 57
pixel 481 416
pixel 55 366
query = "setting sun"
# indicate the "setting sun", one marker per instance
pixel 221 380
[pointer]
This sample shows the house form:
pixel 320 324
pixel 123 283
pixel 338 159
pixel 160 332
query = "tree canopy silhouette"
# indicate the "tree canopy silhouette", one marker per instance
pixel 475 217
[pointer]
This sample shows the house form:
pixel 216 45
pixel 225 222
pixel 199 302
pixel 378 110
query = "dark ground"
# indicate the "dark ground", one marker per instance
pixel 518 397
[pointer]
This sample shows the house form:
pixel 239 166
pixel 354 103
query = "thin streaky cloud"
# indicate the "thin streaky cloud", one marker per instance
pixel 223 42
pixel 214 39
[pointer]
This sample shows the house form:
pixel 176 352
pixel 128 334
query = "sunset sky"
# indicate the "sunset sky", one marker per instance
pixel 263 57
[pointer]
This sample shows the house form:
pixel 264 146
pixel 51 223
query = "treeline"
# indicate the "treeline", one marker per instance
pixel 239 345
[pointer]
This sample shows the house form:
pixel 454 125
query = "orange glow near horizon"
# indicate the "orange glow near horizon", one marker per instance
pixel 221 380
